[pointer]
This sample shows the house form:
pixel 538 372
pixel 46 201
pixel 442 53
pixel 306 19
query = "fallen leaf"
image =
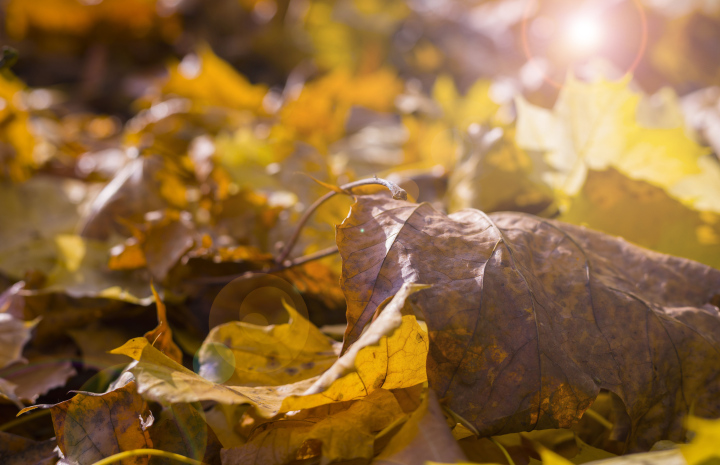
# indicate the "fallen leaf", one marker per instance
pixel 208 80
pixel 90 427
pixel 348 434
pixel 424 436
pixel 14 334
pixel 494 174
pixel 245 354
pixel 475 106
pixel 390 355
pixel 38 376
pixel 594 126
pixel 646 215
pixel 18 450
pixel 163 380
pixel 182 429
pixel 529 318
pixel 33 214
pixel 16 153
pixel 82 271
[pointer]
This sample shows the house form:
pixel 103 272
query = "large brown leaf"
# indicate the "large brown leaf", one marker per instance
pixel 90 427
pixel 529 318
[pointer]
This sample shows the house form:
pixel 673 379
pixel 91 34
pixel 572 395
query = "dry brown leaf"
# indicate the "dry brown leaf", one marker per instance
pixel 38 376
pixel 347 434
pixel 90 427
pixel 14 334
pixel 530 318
pixel 17 450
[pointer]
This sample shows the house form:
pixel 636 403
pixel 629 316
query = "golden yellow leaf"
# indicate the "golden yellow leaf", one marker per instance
pixel 206 79
pixel 163 380
pixel 704 445
pixel 645 214
pixel 76 18
pixel 16 160
pixel 391 354
pixel 460 111
pixel 317 115
pixel 594 126
pixel 243 354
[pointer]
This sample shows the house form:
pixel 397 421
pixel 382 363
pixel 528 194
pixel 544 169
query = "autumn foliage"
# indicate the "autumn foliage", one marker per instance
pixel 388 232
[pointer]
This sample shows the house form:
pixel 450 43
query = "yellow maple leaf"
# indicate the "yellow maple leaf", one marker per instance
pixel 594 126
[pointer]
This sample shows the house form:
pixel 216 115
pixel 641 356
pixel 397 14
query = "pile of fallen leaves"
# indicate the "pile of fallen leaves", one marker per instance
pixel 357 231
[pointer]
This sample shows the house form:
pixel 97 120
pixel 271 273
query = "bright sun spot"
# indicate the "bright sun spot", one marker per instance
pixel 583 34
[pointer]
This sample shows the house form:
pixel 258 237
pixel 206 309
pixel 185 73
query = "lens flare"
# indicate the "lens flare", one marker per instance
pixel 583 34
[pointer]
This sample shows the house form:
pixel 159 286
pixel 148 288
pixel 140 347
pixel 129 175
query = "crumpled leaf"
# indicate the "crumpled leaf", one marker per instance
pixel 90 427
pixel 348 434
pixel 390 355
pixel 424 436
pixel 243 354
pixel 27 381
pixel 530 318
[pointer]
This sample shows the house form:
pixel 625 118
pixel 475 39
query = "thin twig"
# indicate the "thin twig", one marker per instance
pixel 397 192
pixel 279 267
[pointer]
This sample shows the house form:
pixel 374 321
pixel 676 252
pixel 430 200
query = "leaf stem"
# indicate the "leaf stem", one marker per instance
pixel 135 452
pixel 501 447
pixel 397 192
